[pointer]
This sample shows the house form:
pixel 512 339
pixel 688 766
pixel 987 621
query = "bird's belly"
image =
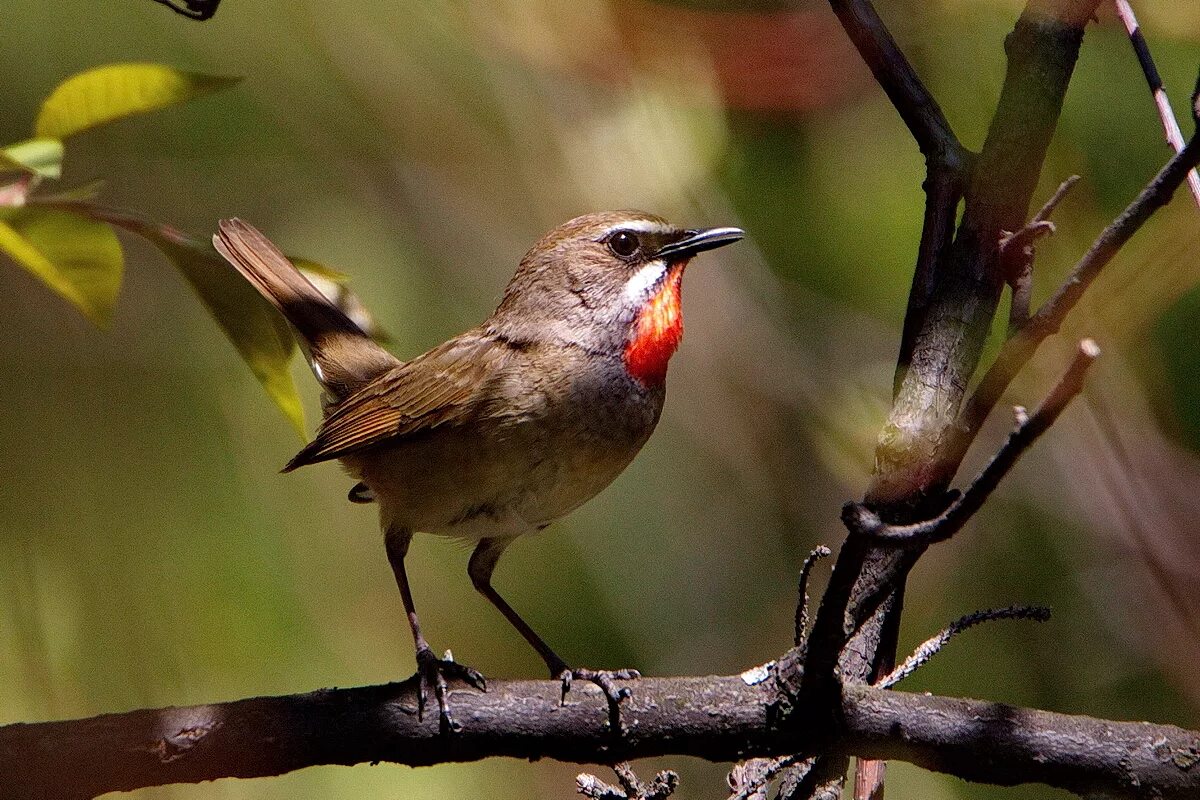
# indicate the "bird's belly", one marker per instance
pixel 518 478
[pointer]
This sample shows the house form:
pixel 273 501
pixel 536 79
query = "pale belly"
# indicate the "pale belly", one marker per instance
pixel 518 475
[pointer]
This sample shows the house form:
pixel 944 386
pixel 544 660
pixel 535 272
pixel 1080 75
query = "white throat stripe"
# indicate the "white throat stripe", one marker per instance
pixel 644 280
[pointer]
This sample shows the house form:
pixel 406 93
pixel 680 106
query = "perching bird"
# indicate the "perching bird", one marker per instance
pixel 506 427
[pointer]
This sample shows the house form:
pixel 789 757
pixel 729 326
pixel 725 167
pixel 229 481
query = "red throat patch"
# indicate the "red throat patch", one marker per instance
pixel 657 331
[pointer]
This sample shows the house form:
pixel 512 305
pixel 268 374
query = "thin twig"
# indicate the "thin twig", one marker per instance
pixel 660 787
pixel 1020 347
pixel 1047 209
pixel 750 780
pixel 932 646
pixel 819 552
pixel 1157 91
pixel 1017 253
pixel 862 520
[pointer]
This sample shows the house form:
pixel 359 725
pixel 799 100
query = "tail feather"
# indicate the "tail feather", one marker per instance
pixel 342 357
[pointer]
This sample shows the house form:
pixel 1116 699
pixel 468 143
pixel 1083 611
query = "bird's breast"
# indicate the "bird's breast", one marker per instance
pixel 551 436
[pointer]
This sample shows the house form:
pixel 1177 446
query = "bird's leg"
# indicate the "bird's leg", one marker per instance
pixel 480 568
pixel 431 670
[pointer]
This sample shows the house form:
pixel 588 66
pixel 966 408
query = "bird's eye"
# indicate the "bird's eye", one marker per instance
pixel 623 244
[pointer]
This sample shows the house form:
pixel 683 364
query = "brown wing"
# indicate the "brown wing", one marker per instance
pixel 439 387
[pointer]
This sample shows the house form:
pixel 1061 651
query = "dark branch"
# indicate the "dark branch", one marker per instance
pixel 861 520
pixel 719 718
pixel 897 78
pixel 198 10
pixel 946 161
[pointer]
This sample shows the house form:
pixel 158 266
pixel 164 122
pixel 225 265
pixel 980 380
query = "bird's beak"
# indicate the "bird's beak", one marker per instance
pixel 697 241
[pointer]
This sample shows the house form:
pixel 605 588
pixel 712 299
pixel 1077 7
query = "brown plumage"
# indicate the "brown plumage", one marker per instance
pixel 510 425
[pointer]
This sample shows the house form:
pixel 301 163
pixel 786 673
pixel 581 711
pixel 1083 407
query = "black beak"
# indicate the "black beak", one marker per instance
pixel 697 241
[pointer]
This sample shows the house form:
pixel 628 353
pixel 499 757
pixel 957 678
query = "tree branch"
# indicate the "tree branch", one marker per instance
pixel 718 718
pixel 1021 346
pixel 1158 92
pixel 896 77
pixel 946 160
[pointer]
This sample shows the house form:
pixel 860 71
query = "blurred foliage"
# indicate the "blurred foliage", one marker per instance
pixel 151 555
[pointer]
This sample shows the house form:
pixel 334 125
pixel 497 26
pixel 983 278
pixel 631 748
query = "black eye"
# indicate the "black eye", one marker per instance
pixel 623 244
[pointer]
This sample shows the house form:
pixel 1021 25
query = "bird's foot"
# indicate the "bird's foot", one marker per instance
pixel 434 671
pixel 606 680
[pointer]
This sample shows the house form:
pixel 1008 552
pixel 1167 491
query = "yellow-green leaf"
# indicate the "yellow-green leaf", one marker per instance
pixel 111 92
pixel 39 156
pixel 260 334
pixel 334 285
pixel 79 258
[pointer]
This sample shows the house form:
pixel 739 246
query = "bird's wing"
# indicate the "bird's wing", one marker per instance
pixel 440 387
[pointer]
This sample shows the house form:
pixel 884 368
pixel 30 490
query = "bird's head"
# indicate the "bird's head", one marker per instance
pixel 609 282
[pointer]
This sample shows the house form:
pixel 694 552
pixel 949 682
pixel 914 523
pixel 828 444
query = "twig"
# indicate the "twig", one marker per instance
pixel 1017 252
pixel 931 647
pixel 1047 209
pixel 749 781
pixel 1157 91
pixel 198 10
pixel 819 552
pixel 1020 347
pixel 862 520
pixel 1016 255
pixel 661 786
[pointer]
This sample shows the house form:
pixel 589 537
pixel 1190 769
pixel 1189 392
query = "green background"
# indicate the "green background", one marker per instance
pixel 151 555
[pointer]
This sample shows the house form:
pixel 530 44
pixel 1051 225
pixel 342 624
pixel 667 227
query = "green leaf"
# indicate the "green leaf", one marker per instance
pixel 79 258
pixel 114 91
pixel 260 334
pixel 320 270
pixel 40 156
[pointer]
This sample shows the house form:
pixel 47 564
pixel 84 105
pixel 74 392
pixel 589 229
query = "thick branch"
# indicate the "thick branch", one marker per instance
pixel 862 520
pixel 719 718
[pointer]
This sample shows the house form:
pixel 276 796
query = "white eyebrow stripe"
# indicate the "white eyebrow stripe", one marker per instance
pixel 640 225
pixel 644 280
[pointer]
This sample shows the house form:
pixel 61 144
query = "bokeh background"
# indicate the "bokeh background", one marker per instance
pixel 150 554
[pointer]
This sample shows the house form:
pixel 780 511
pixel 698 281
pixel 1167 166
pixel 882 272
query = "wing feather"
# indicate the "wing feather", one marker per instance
pixel 438 388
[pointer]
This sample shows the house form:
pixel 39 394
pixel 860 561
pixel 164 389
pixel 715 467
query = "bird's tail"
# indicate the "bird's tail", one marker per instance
pixel 341 356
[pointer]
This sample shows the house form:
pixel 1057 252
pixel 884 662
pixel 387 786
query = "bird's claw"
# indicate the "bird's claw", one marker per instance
pixel 606 680
pixel 434 671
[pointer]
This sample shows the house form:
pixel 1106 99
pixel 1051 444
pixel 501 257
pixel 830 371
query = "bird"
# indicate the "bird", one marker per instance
pixel 509 426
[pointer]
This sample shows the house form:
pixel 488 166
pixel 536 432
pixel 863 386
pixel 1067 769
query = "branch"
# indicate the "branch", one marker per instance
pixel 946 160
pixel 199 10
pixel 1021 346
pixel 932 646
pixel 718 718
pixel 1157 91
pixel 897 78
pixel 862 520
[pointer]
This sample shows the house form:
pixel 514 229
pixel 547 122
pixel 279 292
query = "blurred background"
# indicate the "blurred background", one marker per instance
pixel 151 554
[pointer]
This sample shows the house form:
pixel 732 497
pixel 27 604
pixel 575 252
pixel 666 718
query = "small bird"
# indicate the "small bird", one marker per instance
pixel 506 427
